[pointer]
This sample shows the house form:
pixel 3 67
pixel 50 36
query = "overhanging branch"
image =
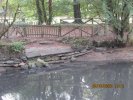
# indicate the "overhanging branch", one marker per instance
pixel 8 27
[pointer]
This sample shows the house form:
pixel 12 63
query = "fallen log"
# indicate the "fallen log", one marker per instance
pixel 6 65
pixel 57 62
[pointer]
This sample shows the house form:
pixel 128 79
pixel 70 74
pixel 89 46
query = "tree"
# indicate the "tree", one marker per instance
pixel 118 16
pixel 44 14
pixel 116 13
pixel 39 12
pixel 50 12
pixel 62 7
pixel 77 12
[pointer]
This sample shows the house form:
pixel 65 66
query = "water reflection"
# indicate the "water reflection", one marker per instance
pixel 71 84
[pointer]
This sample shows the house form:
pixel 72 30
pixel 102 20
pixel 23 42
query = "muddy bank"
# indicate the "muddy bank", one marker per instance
pixel 120 54
pixel 10 58
pixel 92 56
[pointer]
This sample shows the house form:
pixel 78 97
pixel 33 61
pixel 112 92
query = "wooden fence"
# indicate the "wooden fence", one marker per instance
pixel 41 31
pixel 61 30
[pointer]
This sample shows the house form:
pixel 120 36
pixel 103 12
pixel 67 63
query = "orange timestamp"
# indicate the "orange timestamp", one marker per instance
pixel 95 85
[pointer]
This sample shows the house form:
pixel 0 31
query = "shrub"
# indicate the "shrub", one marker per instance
pixel 80 43
pixel 16 47
pixel 77 44
pixel 110 44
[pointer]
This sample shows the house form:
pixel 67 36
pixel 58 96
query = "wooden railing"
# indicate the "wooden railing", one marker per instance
pixel 42 31
pixel 61 30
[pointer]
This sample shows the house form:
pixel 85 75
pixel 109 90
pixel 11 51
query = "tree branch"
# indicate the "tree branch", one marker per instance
pixel 8 27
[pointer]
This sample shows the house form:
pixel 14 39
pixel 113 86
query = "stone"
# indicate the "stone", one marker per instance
pixel 46 42
pixel 32 54
pixel 73 58
pixel 16 65
pixel 39 64
pixel 24 58
pixel 5 65
pixel 24 65
pixel 100 49
pixel 64 58
pixel 85 50
pixel 10 62
pixel 32 65
pixel 54 51
pixel 42 63
pixel 17 60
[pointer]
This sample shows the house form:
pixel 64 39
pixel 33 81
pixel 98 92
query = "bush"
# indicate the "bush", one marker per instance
pixel 77 44
pixel 16 47
pixel 80 43
pixel 110 44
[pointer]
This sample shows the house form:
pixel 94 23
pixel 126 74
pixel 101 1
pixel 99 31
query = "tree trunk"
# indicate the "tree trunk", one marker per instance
pixel 44 14
pixel 44 11
pixel 39 11
pixel 50 12
pixel 77 12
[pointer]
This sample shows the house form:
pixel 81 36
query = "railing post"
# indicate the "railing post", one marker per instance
pixel 24 30
pixel 59 31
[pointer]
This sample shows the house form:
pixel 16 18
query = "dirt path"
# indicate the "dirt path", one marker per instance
pixel 45 47
pixel 124 54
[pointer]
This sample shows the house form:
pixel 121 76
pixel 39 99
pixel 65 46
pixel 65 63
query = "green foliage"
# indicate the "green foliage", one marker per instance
pixel 27 8
pixel 80 42
pixel 77 43
pixel 16 47
pixel 62 7
pixel 114 12
pixel 92 8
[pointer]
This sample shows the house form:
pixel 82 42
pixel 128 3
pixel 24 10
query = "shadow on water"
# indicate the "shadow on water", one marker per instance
pixel 71 84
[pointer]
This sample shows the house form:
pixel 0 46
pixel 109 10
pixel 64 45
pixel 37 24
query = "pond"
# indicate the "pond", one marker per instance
pixel 75 82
